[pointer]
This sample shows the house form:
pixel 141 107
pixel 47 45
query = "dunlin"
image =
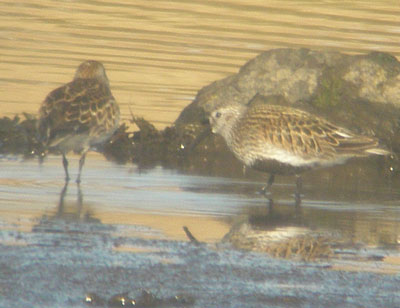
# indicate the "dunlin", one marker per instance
pixel 287 141
pixel 80 114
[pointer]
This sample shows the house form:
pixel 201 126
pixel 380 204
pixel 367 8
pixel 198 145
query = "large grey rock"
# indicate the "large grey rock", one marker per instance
pixel 360 92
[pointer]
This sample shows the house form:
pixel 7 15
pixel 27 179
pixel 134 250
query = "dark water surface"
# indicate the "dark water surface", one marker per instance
pixel 121 231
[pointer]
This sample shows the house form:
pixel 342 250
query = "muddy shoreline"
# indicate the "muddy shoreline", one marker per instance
pixel 99 242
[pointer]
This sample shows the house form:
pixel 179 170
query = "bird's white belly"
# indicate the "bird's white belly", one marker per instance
pixel 285 157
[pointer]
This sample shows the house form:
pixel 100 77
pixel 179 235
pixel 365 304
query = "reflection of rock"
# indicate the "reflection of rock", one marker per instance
pixel 359 227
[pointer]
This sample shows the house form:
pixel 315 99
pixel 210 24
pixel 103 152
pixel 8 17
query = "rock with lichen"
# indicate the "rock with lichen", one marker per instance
pixel 360 92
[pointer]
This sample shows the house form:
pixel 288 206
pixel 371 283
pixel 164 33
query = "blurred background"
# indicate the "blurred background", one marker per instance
pixel 159 53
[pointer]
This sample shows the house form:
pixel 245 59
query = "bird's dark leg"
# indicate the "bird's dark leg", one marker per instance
pixel 266 188
pixel 65 164
pixel 299 187
pixel 81 163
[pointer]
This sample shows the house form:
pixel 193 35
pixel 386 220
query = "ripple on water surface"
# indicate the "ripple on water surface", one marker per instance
pixel 166 200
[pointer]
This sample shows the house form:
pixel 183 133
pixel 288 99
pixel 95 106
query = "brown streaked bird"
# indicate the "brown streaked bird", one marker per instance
pixel 287 141
pixel 80 114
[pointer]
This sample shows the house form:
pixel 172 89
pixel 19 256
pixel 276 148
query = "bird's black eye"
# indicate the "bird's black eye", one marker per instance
pixel 218 114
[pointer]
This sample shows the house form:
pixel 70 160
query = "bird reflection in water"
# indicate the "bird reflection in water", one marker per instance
pixel 67 215
pixel 274 217
pixel 61 213
pixel 76 214
pixel 281 232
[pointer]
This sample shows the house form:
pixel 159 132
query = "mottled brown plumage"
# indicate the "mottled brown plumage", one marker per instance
pixel 284 140
pixel 79 114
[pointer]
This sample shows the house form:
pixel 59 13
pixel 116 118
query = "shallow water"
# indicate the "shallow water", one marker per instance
pixel 124 194
pixel 121 231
